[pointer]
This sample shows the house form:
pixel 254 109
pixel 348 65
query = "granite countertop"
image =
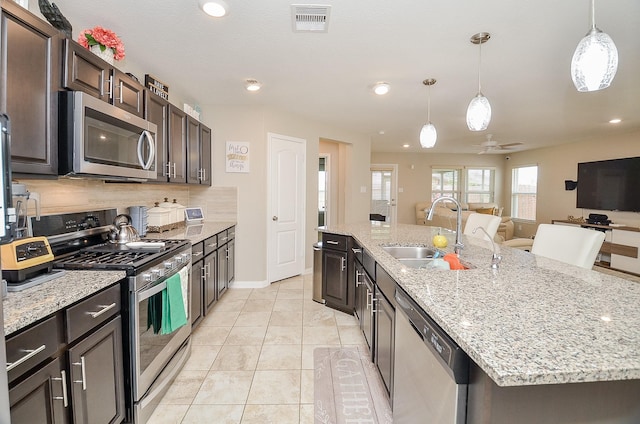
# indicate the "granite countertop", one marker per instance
pixel 534 321
pixel 30 305
pixel 193 232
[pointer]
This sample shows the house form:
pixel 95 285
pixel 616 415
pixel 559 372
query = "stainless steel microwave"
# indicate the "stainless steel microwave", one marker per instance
pixel 97 139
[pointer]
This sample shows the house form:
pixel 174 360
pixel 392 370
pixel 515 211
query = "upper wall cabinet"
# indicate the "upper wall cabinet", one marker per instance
pixel 198 152
pixel 84 71
pixel 29 82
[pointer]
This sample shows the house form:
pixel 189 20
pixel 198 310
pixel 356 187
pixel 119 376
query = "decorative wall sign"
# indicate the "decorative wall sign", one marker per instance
pixel 237 156
pixel 156 87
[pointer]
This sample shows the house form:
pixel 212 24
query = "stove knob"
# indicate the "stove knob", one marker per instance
pixel 155 274
pixel 186 257
pixel 179 259
pixel 168 265
pixel 146 277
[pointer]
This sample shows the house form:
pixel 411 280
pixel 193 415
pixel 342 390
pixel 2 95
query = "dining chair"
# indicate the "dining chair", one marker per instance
pixel 490 223
pixel 573 245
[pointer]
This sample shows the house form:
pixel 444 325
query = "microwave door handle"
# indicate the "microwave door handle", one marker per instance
pixel 146 135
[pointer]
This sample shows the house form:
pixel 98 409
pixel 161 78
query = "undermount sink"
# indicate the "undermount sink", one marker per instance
pixel 410 252
pixel 419 263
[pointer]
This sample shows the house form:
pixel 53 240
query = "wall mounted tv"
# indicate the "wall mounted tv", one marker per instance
pixel 609 185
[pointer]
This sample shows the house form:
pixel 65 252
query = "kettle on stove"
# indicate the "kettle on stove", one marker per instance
pixel 123 232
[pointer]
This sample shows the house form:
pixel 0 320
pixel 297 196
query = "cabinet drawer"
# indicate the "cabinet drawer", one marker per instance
pixel 29 348
pixel 92 312
pixel 369 264
pixel 223 237
pixel 231 232
pixel 334 241
pixel 210 244
pixel 197 252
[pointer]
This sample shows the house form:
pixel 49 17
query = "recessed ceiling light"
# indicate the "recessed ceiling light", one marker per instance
pixel 615 121
pixel 381 88
pixel 381 132
pixel 215 8
pixel 406 146
pixel 252 85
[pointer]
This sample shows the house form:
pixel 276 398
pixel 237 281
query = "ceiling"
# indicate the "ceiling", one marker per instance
pixel 329 76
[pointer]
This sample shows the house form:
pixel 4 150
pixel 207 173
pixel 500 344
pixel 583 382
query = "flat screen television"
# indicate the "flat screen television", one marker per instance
pixel 609 185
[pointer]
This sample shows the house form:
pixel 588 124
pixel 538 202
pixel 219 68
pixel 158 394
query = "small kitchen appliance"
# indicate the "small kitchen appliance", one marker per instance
pixel 21 197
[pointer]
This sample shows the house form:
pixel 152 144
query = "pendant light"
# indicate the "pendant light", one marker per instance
pixel 428 133
pixel 479 110
pixel 595 61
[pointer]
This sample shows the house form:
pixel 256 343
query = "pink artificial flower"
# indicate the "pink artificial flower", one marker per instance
pixel 103 37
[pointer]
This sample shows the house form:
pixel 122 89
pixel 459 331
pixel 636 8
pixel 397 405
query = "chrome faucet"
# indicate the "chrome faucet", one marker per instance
pixel 495 258
pixel 458 244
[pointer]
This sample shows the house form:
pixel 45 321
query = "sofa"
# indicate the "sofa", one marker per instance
pixel 445 216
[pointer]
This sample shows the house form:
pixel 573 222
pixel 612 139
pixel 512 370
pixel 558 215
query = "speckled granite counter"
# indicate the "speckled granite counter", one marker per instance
pixel 535 321
pixel 30 305
pixel 194 232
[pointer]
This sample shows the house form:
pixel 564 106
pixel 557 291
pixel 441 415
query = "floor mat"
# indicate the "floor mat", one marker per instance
pixel 348 388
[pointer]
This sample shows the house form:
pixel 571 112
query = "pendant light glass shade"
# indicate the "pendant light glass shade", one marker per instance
pixel 428 136
pixel 479 110
pixel 594 62
pixel 478 113
pixel 428 133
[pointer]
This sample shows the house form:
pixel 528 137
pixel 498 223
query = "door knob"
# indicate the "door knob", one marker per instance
pixel 275 218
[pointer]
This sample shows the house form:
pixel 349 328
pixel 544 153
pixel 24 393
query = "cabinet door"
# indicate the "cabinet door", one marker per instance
pixel 197 293
pixel 97 381
pixel 360 291
pixel 384 340
pixel 367 312
pixel 223 269
pixel 231 261
pixel 205 156
pixel 41 398
pixel 156 111
pixel 29 83
pixel 177 142
pixel 84 71
pixel 127 93
pixel 211 280
pixel 193 150
pixel 334 278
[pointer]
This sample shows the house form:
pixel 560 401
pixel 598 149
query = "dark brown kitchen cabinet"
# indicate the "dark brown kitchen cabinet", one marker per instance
pixel 29 82
pixel 156 110
pixel 211 281
pixel 197 284
pixel 338 286
pixel 176 161
pixel 41 397
pixel 84 71
pixel 384 324
pixel 198 152
pixel 226 259
pixel 97 381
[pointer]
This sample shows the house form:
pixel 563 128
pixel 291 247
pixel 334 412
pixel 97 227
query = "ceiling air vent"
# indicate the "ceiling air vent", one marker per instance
pixel 310 17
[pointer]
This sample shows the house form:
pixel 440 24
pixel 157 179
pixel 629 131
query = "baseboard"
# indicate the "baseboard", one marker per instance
pixel 249 284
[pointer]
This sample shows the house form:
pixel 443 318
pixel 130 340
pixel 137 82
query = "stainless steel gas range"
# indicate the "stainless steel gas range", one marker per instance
pixel 80 241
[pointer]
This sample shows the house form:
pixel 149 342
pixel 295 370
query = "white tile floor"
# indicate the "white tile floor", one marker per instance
pixel 252 358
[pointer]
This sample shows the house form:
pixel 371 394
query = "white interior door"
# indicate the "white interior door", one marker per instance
pixel 286 223
pixel 384 189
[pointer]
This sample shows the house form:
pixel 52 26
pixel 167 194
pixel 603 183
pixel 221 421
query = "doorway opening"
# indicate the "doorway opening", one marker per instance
pixel 323 190
pixel 383 193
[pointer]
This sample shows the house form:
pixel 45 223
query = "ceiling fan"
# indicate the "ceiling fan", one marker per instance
pixel 494 146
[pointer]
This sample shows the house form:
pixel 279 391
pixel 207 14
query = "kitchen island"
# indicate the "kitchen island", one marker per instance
pixel 534 323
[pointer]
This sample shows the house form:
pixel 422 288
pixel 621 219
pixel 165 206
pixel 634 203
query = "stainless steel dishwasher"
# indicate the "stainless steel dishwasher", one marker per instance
pixel 431 371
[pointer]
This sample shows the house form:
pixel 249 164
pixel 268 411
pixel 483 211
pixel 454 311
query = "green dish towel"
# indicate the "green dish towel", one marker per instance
pixel 174 315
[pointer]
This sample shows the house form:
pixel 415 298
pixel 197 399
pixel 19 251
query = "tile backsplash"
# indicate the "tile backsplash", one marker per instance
pixel 72 195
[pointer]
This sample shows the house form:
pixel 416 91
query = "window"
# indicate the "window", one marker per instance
pixel 445 183
pixel 479 186
pixel 524 188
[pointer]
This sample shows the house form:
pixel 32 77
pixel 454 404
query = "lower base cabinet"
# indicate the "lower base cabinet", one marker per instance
pixel 97 380
pixel 40 398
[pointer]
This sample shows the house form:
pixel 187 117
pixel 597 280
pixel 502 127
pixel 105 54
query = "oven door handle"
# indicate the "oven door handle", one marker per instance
pixel 145 294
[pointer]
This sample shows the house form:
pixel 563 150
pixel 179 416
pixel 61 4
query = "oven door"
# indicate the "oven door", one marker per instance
pixel 108 141
pixel 152 350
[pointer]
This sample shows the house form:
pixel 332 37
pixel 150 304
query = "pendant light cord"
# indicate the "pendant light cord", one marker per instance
pixel 429 105
pixel 593 14
pixel 479 65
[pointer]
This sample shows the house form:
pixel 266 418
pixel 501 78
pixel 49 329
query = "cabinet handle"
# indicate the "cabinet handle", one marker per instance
pixel 212 245
pixel 110 81
pixel 207 268
pixel 203 273
pixel 224 239
pixel 175 173
pixel 204 174
pixel 358 275
pixel 104 309
pixel 373 304
pixel 63 379
pixel 166 169
pixel 121 87
pixel 196 254
pixel 30 354
pixel 82 369
pixel 343 263
pixel 369 300
pixel 356 251
pixel 332 242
